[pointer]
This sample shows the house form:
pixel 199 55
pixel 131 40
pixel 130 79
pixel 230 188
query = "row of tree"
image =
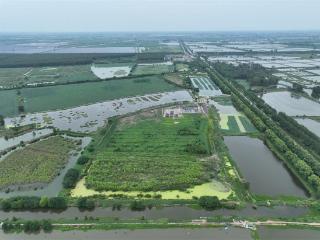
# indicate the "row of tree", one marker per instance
pixel 300 159
pixel 28 203
pixel 35 226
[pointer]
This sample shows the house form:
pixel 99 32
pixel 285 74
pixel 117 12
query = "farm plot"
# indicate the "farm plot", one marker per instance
pixel 235 124
pixel 153 155
pixel 205 86
pixel 38 76
pixel 153 68
pixel 37 163
pixel 67 96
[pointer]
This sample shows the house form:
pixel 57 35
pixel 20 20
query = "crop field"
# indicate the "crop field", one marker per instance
pixel 12 77
pixel 67 96
pixel 153 155
pixel 181 67
pixel 37 163
pixel 175 78
pixel 153 68
pixel 163 48
pixel 235 124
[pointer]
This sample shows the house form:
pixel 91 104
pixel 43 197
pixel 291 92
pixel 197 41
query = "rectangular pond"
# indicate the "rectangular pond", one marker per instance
pixel 291 104
pixel 312 125
pixel 265 173
pixel 271 233
pixel 141 234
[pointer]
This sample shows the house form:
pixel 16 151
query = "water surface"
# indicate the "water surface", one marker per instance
pixel 268 233
pixel 142 234
pixel 291 104
pixel 266 174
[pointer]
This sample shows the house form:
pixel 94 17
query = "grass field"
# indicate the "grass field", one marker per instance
pixel 180 67
pixel 153 155
pixel 235 124
pixel 163 48
pixel 175 78
pixel 223 100
pixel 67 96
pixel 149 69
pixel 39 162
pixel 11 77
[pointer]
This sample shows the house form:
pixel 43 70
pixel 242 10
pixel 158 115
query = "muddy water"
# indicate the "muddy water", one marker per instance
pixel 174 213
pixel 291 104
pixel 312 125
pixel 142 234
pixel 266 174
pixel 267 233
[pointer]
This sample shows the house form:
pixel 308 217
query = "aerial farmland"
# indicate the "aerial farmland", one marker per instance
pixel 119 133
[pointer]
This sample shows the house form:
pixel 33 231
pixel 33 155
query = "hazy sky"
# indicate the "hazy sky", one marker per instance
pixel 158 15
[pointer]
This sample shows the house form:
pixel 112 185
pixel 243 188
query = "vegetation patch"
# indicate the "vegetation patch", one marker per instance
pixel 37 76
pixel 154 155
pixel 236 124
pixel 152 69
pixel 214 188
pixel 67 96
pixel 36 163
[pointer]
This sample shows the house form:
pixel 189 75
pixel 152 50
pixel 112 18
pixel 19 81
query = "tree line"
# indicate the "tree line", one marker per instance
pixel 301 160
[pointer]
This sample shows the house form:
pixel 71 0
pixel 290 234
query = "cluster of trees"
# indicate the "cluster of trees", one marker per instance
pixel 71 178
pixel 1 121
pixel 82 160
pixel 209 202
pixel 60 59
pixel 85 203
pixel 316 92
pixel 137 206
pixel 35 226
pixel 27 203
pixel 255 74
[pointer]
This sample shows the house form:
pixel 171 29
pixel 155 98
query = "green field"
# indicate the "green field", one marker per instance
pixel 152 69
pixel 153 155
pixel 162 48
pixel 67 96
pixel 37 163
pixel 236 124
pixel 12 77
pixel 181 67
pixel 247 124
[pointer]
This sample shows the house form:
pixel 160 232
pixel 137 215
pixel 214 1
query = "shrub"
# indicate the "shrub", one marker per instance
pixel 209 202
pixel 71 178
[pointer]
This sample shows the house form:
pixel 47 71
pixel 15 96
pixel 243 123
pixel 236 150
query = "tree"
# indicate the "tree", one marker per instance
pixel 297 87
pixel 71 178
pixel 57 203
pixel 209 202
pixel 43 202
pixel 31 226
pixel 83 160
pixel 1 121
pixel 85 203
pixel 46 226
pixel 137 206
pixel 316 92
